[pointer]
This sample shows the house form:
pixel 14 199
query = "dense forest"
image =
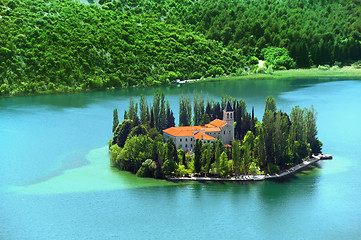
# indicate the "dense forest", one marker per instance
pixel 65 45
pixel 277 143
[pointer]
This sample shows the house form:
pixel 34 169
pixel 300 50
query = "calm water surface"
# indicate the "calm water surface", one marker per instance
pixel 56 183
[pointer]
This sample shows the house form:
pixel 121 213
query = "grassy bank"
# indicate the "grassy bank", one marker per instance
pixel 348 72
pixel 345 72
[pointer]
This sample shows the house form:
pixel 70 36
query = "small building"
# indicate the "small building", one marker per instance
pixel 185 137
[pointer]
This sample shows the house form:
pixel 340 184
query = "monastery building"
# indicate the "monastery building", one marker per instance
pixel 185 137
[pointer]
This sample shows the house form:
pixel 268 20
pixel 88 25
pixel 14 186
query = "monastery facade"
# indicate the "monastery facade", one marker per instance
pixel 185 137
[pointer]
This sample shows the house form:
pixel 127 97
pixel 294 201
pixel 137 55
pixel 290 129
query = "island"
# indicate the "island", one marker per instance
pixel 215 141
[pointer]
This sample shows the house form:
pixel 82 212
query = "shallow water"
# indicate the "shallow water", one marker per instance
pixel 56 183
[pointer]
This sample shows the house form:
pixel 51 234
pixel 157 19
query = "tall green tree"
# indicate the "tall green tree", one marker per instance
pixel 185 111
pixel 169 117
pixel 144 110
pixel 297 127
pixel 198 109
pixel 268 136
pixel 281 136
pixel 248 149
pixel 310 118
pixel 236 156
pixel 122 131
pixel 270 104
pixel 133 112
pixel 198 156
pixel 224 168
pixel 156 110
pixel 218 149
pixel 169 165
pixel 162 114
pixel 115 119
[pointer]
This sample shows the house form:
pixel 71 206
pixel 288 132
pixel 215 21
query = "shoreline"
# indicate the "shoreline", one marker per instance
pixel 247 178
pixel 313 73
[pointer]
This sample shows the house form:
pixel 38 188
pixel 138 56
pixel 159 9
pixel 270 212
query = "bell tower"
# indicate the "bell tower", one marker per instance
pixel 228 114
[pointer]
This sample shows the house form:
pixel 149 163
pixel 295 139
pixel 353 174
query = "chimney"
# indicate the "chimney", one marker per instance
pixel 202 137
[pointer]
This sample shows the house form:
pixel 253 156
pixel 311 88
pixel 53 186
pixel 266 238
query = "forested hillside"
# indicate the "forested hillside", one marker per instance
pixel 65 45
pixel 69 46
pixel 314 31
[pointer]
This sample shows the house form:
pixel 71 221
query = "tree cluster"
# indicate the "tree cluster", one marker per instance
pixel 278 142
pixel 60 46
pixel 315 32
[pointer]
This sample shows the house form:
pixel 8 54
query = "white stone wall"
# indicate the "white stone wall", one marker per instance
pixel 227 134
pixel 185 142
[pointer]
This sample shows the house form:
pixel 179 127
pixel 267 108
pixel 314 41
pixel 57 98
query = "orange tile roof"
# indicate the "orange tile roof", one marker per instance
pixel 216 123
pixel 199 135
pixel 211 129
pixel 182 131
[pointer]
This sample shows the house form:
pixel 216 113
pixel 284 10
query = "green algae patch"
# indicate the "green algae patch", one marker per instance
pixel 97 175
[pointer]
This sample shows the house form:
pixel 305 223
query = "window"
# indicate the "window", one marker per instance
pixel 231 115
pixel 186 146
pixel 186 139
pixel 191 145
pixel 180 140
pixel 224 132
pixel 229 132
pixel 227 115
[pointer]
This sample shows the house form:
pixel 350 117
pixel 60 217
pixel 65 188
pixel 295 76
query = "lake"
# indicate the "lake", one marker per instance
pixel 56 182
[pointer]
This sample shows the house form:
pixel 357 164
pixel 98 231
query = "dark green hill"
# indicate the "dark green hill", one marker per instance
pixel 314 31
pixel 68 46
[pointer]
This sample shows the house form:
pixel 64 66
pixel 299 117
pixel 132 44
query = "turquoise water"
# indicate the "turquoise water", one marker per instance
pixel 56 183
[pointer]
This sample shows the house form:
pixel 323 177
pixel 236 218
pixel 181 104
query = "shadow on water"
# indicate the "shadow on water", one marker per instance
pixel 74 160
pixel 246 89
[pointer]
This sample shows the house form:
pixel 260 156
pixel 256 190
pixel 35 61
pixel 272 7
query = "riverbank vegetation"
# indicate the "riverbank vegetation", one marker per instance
pixel 276 143
pixel 349 72
pixel 65 46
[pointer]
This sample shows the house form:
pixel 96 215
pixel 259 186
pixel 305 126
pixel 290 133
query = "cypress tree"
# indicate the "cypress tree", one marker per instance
pixel 209 110
pixel 115 119
pixel 144 110
pixel 151 124
pixel 197 156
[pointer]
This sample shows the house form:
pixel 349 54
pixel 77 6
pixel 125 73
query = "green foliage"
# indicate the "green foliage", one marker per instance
pixel 147 169
pixel 277 58
pixel 236 156
pixel 224 168
pixel 136 150
pixel 138 130
pixel 197 155
pixel 185 111
pixel 273 145
pixel 67 46
pixel 181 171
pixel 254 169
pixel 270 104
pixel 324 67
pixel 320 33
pixel 169 165
pixel 115 120
pixel 198 109
pixel 121 132
pixel 144 110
